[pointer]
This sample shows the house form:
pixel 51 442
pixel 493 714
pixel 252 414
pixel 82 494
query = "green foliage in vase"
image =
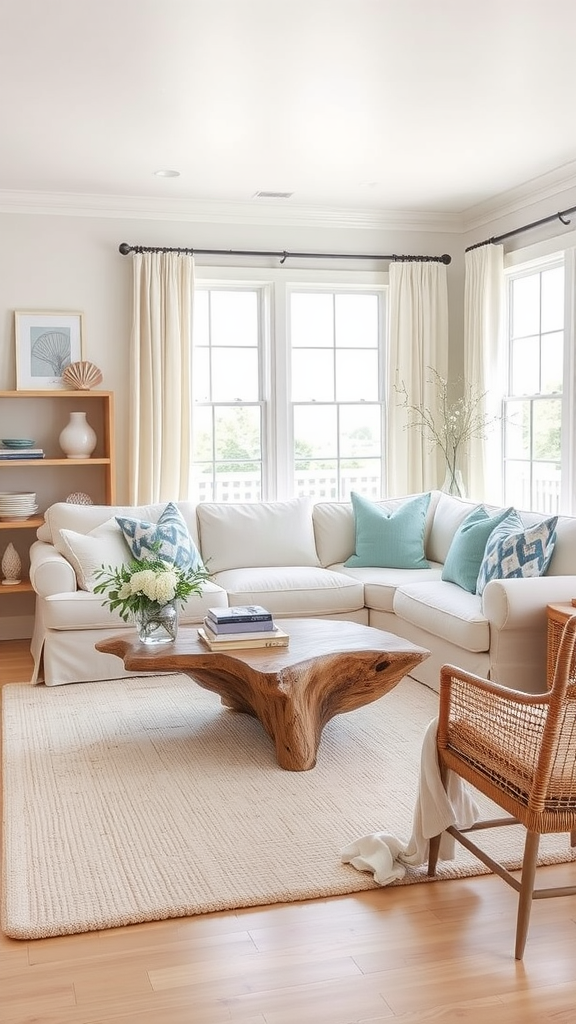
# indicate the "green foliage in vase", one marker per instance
pixel 144 585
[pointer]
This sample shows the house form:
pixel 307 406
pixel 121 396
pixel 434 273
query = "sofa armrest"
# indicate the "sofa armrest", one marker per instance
pixel 521 603
pixel 50 573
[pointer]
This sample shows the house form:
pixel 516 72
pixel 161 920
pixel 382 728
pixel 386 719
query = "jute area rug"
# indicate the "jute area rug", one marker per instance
pixel 141 799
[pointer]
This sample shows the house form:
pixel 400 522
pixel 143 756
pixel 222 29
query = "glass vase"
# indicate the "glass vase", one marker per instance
pixel 157 623
pixel 454 483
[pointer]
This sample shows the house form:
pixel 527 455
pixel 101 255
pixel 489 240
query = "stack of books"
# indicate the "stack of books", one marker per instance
pixel 6 454
pixel 241 628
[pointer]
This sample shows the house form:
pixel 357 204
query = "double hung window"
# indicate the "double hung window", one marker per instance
pixel 535 394
pixel 288 385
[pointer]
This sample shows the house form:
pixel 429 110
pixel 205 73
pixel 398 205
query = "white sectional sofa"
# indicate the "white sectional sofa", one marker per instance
pixel 289 556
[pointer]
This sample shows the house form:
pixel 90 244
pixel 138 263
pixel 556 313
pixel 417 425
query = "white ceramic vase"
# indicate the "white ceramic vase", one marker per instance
pixel 78 439
pixel 11 566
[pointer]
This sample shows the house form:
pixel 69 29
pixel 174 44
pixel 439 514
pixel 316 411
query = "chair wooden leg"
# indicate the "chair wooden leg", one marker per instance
pixel 573 838
pixel 526 889
pixel 433 851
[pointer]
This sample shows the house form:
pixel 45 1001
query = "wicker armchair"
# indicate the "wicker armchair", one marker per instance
pixel 520 751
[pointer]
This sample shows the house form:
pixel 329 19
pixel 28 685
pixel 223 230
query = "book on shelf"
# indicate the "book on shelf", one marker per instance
pixel 25 453
pixel 253 633
pixel 233 628
pixel 277 639
pixel 240 613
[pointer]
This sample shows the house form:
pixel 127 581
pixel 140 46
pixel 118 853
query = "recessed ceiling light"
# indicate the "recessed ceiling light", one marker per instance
pixel 167 174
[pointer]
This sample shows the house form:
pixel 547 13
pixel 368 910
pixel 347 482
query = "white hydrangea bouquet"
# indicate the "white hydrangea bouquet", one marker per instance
pixel 147 591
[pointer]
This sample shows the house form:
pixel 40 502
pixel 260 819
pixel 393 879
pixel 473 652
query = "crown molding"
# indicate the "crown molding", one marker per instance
pixel 264 212
pixel 68 204
pixel 546 186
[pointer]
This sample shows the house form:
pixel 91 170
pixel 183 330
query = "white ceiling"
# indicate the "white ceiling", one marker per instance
pixel 427 106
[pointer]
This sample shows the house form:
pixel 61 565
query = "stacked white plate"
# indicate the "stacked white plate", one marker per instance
pixel 17 505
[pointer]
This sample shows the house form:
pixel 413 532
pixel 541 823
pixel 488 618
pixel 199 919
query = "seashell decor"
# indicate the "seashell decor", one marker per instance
pixel 79 498
pixel 82 375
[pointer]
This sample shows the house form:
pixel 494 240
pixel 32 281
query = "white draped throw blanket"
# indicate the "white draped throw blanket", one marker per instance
pixel 436 808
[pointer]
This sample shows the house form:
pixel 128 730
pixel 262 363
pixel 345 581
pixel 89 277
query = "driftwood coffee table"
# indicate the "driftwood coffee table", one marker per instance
pixel 330 667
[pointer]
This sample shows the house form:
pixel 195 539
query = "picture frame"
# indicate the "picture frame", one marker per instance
pixel 46 343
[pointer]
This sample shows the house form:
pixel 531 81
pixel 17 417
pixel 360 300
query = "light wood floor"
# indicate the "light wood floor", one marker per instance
pixel 439 952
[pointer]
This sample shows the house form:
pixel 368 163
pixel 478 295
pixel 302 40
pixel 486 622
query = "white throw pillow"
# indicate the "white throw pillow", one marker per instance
pixel 88 552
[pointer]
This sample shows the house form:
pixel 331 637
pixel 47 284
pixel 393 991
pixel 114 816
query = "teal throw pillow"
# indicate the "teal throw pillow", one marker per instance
pixel 390 539
pixel 170 532
pixel 466 551
pixel 515 551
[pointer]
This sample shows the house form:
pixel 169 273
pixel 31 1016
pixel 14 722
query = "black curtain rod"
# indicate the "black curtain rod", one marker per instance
pixel 518 231
pixel 125 249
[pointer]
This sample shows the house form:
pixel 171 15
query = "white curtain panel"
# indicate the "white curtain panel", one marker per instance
pixel 484 302
pixel 418 341
pixel 160 392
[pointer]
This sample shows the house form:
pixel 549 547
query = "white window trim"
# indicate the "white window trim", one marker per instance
pixel 539 256
pixel 277 479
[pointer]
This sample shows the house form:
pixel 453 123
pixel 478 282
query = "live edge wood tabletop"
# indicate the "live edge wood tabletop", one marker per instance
pixel 557 617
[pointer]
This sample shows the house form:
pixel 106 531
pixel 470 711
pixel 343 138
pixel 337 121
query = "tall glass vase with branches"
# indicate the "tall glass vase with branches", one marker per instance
pixel 453 425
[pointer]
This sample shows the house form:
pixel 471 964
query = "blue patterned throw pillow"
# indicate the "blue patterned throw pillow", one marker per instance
pixel 176 544
pixel 514 551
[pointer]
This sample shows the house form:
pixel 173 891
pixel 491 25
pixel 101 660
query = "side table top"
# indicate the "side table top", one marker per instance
pixel 563 607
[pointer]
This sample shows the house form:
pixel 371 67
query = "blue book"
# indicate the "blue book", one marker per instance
pixel 264 626
pixel 253 631
pixel 242 613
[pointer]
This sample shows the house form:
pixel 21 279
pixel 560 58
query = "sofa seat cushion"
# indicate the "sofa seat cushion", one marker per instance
pixel 83 610
pixel 445 610
pixel 380 585
pixel 293 590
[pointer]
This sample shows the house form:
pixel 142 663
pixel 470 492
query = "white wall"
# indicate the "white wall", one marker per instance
pixel 66 262
pixel 62 263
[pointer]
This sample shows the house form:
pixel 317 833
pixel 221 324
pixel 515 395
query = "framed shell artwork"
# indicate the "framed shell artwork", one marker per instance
pixel 46 343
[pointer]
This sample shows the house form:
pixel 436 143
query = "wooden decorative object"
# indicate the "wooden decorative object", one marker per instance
pixel 82 376
pixel 329 667
pixel 11 567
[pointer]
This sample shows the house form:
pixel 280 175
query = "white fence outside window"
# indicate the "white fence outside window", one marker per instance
pixel 245 487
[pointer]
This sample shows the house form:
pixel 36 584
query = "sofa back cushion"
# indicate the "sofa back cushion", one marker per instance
pixel 256 534
pixel 334 526
pixel 334 531
pixel 449 514
pixel 84 518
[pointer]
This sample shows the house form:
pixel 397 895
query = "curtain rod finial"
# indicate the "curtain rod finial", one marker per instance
pixel 124 248
pixel 446 259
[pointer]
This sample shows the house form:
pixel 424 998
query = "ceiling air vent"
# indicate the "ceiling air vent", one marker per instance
pixel 272 195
